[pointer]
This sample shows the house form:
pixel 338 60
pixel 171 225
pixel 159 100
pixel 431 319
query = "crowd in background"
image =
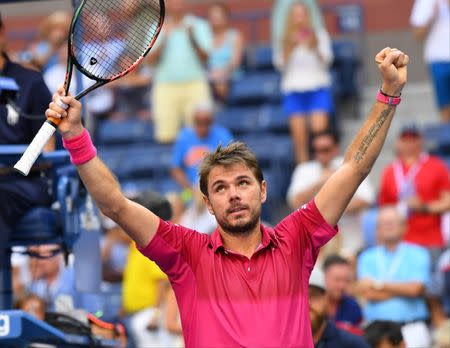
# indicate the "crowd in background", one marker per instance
pixel 385 276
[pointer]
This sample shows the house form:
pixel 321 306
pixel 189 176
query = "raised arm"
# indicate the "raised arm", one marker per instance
pixel 339 189
pixel 138 222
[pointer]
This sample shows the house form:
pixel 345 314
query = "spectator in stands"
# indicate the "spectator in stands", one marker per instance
pixel 19 194
pixel 180 78
pixel 309 177
pixel 306 81
pixel 227 50
pixel 192 144
pixel 384 334
pixel 419 183
pixel 145 285
pixel 342 309
pixel 392 278
pixel 431 23
pixel 54 31
pixel 325 333
pixel 280 13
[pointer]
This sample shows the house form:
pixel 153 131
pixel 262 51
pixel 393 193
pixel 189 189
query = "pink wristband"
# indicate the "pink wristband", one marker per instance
pixel 80 148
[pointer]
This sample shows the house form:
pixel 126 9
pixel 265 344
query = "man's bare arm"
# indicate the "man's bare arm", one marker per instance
pixel 337 192
pixel 138 222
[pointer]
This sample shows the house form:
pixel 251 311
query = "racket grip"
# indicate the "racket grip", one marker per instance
pixel 33 150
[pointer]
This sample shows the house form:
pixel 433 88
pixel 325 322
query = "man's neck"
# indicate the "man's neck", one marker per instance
pixel 242 244
pixel 410 158
pixel 392 246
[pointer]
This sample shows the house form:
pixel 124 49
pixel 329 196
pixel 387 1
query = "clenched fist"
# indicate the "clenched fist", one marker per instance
pixel 393 67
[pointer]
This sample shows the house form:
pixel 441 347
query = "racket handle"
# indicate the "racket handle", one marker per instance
pixel 62 105
pixel 33 150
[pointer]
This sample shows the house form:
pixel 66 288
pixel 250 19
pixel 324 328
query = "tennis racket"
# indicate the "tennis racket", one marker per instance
pixel 107 40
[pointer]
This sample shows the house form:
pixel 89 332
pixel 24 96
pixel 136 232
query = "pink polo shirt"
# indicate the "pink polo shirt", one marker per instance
pixel 228 300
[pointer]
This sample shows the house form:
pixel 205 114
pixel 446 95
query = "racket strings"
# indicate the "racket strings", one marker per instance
pixel 110 36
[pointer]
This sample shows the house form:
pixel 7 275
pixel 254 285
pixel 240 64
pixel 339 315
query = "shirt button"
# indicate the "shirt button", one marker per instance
pixel 248 269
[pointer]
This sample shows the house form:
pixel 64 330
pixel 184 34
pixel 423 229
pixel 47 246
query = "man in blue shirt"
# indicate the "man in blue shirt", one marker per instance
pixel 194 142
pixel 392 278
pixel 17 193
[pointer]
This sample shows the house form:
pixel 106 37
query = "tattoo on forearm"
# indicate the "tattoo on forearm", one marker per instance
pixel 373 131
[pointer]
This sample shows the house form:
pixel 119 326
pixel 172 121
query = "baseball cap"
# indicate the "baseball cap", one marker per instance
pixel 410 129
pixel 317 279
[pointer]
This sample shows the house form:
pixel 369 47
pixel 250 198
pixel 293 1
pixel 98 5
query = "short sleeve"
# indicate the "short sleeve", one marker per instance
pixel 443 178
pixel 302 178
pixel 422 12
pixel 203 35
pixel 421 272
pixel 308 228
pixel 178 151
pixel 324 46
pixel 37 103
pixel 364 268
pixel 175 249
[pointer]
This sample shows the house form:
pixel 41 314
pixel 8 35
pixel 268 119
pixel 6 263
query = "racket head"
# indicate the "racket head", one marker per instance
pixel 109 38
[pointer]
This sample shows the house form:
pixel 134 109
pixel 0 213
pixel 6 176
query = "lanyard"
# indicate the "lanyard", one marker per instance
pixel 405 182
pixel 384 271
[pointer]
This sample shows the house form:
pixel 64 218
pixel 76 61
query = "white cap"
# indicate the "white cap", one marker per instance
pixel 205 106
pixel 317 278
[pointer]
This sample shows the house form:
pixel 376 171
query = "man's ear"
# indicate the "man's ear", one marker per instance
pixel 208 204
pixel 263 191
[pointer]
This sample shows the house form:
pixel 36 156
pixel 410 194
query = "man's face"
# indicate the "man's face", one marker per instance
pixel 202 123
pixel 337 280
pixel 409 145
pixel 41 268
pixel 235 198
pixel 317 309
pixel 175 7
pixel 390 226
pixel 324 149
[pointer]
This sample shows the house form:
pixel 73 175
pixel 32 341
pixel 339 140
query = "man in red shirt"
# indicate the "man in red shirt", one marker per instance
pixel 246 285
pixel 419 184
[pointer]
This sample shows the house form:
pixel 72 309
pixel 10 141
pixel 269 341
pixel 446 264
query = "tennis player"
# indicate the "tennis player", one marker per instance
pixel 246 285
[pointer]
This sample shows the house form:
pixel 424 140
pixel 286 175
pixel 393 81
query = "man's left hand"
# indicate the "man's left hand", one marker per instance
pixel 392 64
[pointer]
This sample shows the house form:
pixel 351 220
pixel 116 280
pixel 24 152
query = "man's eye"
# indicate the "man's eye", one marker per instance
pixel 243 183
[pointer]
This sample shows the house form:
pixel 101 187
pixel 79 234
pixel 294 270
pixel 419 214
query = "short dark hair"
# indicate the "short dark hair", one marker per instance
pixel 234 153
pixel 332 260
pixel 375 332
pixel 328 132
pixel 155 202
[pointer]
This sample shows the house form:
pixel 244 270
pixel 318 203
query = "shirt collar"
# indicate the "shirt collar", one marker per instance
pixel 268 237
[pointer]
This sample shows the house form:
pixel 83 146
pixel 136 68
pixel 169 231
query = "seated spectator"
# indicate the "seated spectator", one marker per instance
pixel 392 278
pixel 309 177
pixel 306 81
pixel 384 334
pixel 193 143
pixel 145 285
pixel 342 308
pixel 180 79
pixel 325 333
pixel 51 280
pixel 227 50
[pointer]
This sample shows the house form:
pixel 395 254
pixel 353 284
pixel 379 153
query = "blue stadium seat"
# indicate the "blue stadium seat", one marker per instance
pixel 273 119
pixel 270 149
pixel 147 161
pixel 345 68
pixel 260 58
pixel 437 138
pixel 113 156
pixel 124 132
pixel 239 120
pixel 255 88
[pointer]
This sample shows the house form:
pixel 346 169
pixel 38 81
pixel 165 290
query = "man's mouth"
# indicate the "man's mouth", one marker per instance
pixel 237 209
